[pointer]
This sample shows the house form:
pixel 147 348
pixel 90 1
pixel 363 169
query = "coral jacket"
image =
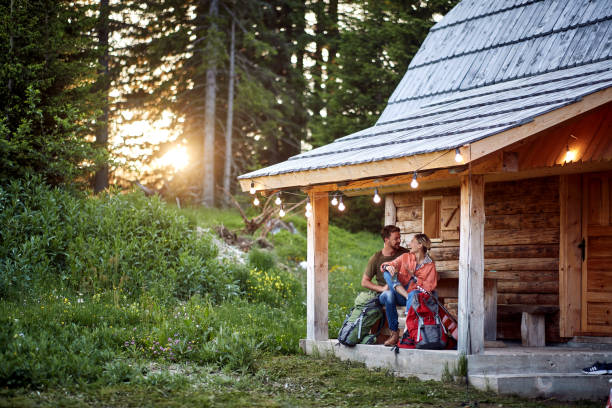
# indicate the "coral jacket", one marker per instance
pixel 406 266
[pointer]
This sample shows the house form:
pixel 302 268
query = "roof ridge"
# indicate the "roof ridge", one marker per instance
pixel 547 71
pixel 476 17
pixel 431 124
pixel 520 40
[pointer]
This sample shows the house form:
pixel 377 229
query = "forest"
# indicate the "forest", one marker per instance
pixel 184 96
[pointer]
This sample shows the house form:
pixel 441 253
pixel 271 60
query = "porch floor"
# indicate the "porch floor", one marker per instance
pixel 548 372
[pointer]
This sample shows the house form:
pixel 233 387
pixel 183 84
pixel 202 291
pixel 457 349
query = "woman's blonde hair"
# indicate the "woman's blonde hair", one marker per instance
pixel 423 240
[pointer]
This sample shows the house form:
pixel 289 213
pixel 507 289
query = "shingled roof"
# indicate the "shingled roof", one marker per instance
pixel 488 66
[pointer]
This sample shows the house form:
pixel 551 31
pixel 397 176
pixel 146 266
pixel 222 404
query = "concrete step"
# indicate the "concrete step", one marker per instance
pixel 424 364
pixel 535 360
pixel 561 386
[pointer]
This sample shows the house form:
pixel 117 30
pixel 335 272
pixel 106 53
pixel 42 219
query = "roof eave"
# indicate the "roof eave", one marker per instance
pixel 435 160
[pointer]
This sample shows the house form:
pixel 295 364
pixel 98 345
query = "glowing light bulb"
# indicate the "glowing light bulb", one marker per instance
pixel 252 189
pixel 414 183
pixel 341 205
pixel 278 201
pixel 256 201
pixel 308 206
pixel 308 214
pixel 458 156
pixel 281 213
pixel 570 155
pixel 334 201
pixel 376 196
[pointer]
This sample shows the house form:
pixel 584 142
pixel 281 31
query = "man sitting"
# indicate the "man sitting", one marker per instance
pixel 391 250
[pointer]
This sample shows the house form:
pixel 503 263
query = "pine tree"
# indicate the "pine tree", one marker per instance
pixel 48 110
pixel 374 47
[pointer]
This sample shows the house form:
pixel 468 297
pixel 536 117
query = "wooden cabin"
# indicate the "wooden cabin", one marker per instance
pixel 521 91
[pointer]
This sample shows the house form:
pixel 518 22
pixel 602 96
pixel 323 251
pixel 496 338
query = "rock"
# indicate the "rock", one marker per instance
pixel 275 226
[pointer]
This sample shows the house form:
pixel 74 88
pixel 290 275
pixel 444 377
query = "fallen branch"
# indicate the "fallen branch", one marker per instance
pixel 267 213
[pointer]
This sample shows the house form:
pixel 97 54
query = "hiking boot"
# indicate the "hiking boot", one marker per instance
pixel 392 341
pixel 596 369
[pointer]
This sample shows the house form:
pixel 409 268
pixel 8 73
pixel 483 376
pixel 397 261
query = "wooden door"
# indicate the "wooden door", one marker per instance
pixel 597 254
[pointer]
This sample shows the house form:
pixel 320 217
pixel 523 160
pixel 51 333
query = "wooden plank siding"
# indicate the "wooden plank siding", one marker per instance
pixel 521 238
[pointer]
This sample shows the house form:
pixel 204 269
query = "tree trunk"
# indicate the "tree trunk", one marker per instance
pixel 11 45
pixel 208 187
pixel 230 116
pixel 101 176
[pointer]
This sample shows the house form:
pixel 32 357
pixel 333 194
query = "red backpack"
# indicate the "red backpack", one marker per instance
pixel 424 328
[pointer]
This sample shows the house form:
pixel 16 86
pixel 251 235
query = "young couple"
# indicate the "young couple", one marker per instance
pixel 398 272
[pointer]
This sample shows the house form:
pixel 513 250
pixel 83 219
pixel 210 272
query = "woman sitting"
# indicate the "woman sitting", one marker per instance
pixel 403 275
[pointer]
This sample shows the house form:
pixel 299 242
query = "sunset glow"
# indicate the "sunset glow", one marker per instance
pixel 177 158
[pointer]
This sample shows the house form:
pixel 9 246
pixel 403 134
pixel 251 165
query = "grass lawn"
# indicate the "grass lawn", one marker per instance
pixel 280 381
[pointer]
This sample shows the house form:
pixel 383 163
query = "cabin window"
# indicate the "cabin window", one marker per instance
pixel 432 217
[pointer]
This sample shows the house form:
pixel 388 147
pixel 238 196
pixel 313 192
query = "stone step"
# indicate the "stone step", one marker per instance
pixel 561 386
pixel 535 360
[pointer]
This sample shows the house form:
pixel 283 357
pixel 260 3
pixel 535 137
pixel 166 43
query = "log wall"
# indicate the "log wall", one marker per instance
pixel 521 244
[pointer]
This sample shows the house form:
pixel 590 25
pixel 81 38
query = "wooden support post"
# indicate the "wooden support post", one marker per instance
pixel 471 266
pixel 570 255
pixel 490 309
pixel 532 330
pixel 390 210
pixel 316 280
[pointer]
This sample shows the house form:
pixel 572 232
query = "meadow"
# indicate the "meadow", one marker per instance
pixel 121 300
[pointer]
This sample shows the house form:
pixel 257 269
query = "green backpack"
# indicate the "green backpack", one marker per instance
pixel 356 327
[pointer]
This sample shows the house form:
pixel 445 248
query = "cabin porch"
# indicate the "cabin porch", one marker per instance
pixel 533 372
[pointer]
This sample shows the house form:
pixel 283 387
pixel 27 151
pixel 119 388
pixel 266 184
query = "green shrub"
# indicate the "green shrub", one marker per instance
pixel 128 244
pixel 261 259
pixel 289 247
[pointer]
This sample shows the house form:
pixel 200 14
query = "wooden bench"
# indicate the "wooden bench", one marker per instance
pixel 448 287
pixel 533 333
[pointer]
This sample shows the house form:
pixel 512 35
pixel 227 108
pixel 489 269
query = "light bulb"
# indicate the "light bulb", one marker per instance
pixel 281 213
pixel 458 156
pixel 334 201
pixel 278 200
pixel 256 201
pixel 414 183
pixel 341 205
pixel 570 155
pixel 252 189
pixel 308 205
pixel 308 214
pixel 376 196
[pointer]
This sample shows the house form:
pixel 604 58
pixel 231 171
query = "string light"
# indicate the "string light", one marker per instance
pixel 278 200
pixel 458 156
pixel 334 201
pixel 341 205
pixel 252 189
pixel 308 205
pixel 376 198
pixel 414 183
pixel 256 201
pixel 281 213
